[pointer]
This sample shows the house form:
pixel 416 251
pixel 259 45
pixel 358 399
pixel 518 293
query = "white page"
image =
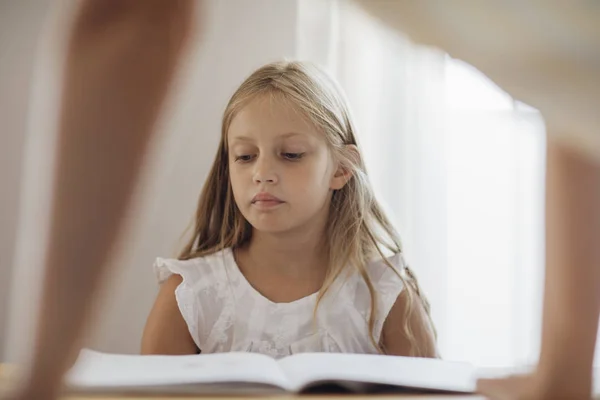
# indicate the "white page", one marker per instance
pixel 421 373
pixel 96 370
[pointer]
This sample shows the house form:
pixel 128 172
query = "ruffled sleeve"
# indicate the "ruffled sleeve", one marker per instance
pixel 388 286
pixel 187 301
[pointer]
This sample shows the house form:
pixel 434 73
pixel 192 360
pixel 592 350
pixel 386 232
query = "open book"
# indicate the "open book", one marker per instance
pixel 252 373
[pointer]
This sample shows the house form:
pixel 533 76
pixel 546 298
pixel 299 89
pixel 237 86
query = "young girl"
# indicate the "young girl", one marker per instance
pixel 287 254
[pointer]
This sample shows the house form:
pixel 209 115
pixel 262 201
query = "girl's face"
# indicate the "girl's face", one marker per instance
pixel 281 170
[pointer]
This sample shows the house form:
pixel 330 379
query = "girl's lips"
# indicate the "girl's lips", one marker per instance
pixel 267 204
pixel 266 201
pixel 266 197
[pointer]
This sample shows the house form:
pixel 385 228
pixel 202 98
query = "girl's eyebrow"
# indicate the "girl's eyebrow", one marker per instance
pixel 249 139
pixel 241 139
pixel 290 134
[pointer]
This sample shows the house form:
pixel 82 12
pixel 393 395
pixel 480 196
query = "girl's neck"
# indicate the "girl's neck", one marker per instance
pixel 298 254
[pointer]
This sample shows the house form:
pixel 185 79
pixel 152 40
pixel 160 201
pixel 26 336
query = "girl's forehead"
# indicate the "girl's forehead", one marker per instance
pixel 271 116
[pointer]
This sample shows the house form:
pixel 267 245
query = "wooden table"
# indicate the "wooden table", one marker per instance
pixel 7 376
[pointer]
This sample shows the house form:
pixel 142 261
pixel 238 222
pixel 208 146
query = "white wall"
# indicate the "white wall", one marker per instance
pixel 239 36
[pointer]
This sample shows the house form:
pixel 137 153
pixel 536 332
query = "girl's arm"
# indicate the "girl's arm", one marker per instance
pixel 120 61
pixel 397 342
pixel 166 331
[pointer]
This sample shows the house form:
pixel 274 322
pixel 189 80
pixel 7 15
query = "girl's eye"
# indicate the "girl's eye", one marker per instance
pixel 243 158
pixel 293 156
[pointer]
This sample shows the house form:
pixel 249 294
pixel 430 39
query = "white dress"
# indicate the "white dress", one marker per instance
pixel 225 313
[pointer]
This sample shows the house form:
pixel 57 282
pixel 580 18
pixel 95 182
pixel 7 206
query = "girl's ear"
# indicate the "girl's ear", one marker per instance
pixel 343 172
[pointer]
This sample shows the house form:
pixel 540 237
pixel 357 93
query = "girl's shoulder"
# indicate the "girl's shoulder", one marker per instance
pixel 212 267
pixel 203 294
pixel 381 268
pixel 384 275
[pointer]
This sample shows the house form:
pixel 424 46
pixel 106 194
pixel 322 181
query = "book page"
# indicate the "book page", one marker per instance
pixel 418 373
pixel 94 370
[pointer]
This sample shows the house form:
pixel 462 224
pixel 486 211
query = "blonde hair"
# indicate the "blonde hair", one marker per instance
pixel 357 230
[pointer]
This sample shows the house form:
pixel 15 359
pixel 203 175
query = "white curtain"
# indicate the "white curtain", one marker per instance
pixel 459 166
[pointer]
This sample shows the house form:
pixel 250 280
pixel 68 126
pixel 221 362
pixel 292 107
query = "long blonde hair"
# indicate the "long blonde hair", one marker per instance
pixel 357 230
